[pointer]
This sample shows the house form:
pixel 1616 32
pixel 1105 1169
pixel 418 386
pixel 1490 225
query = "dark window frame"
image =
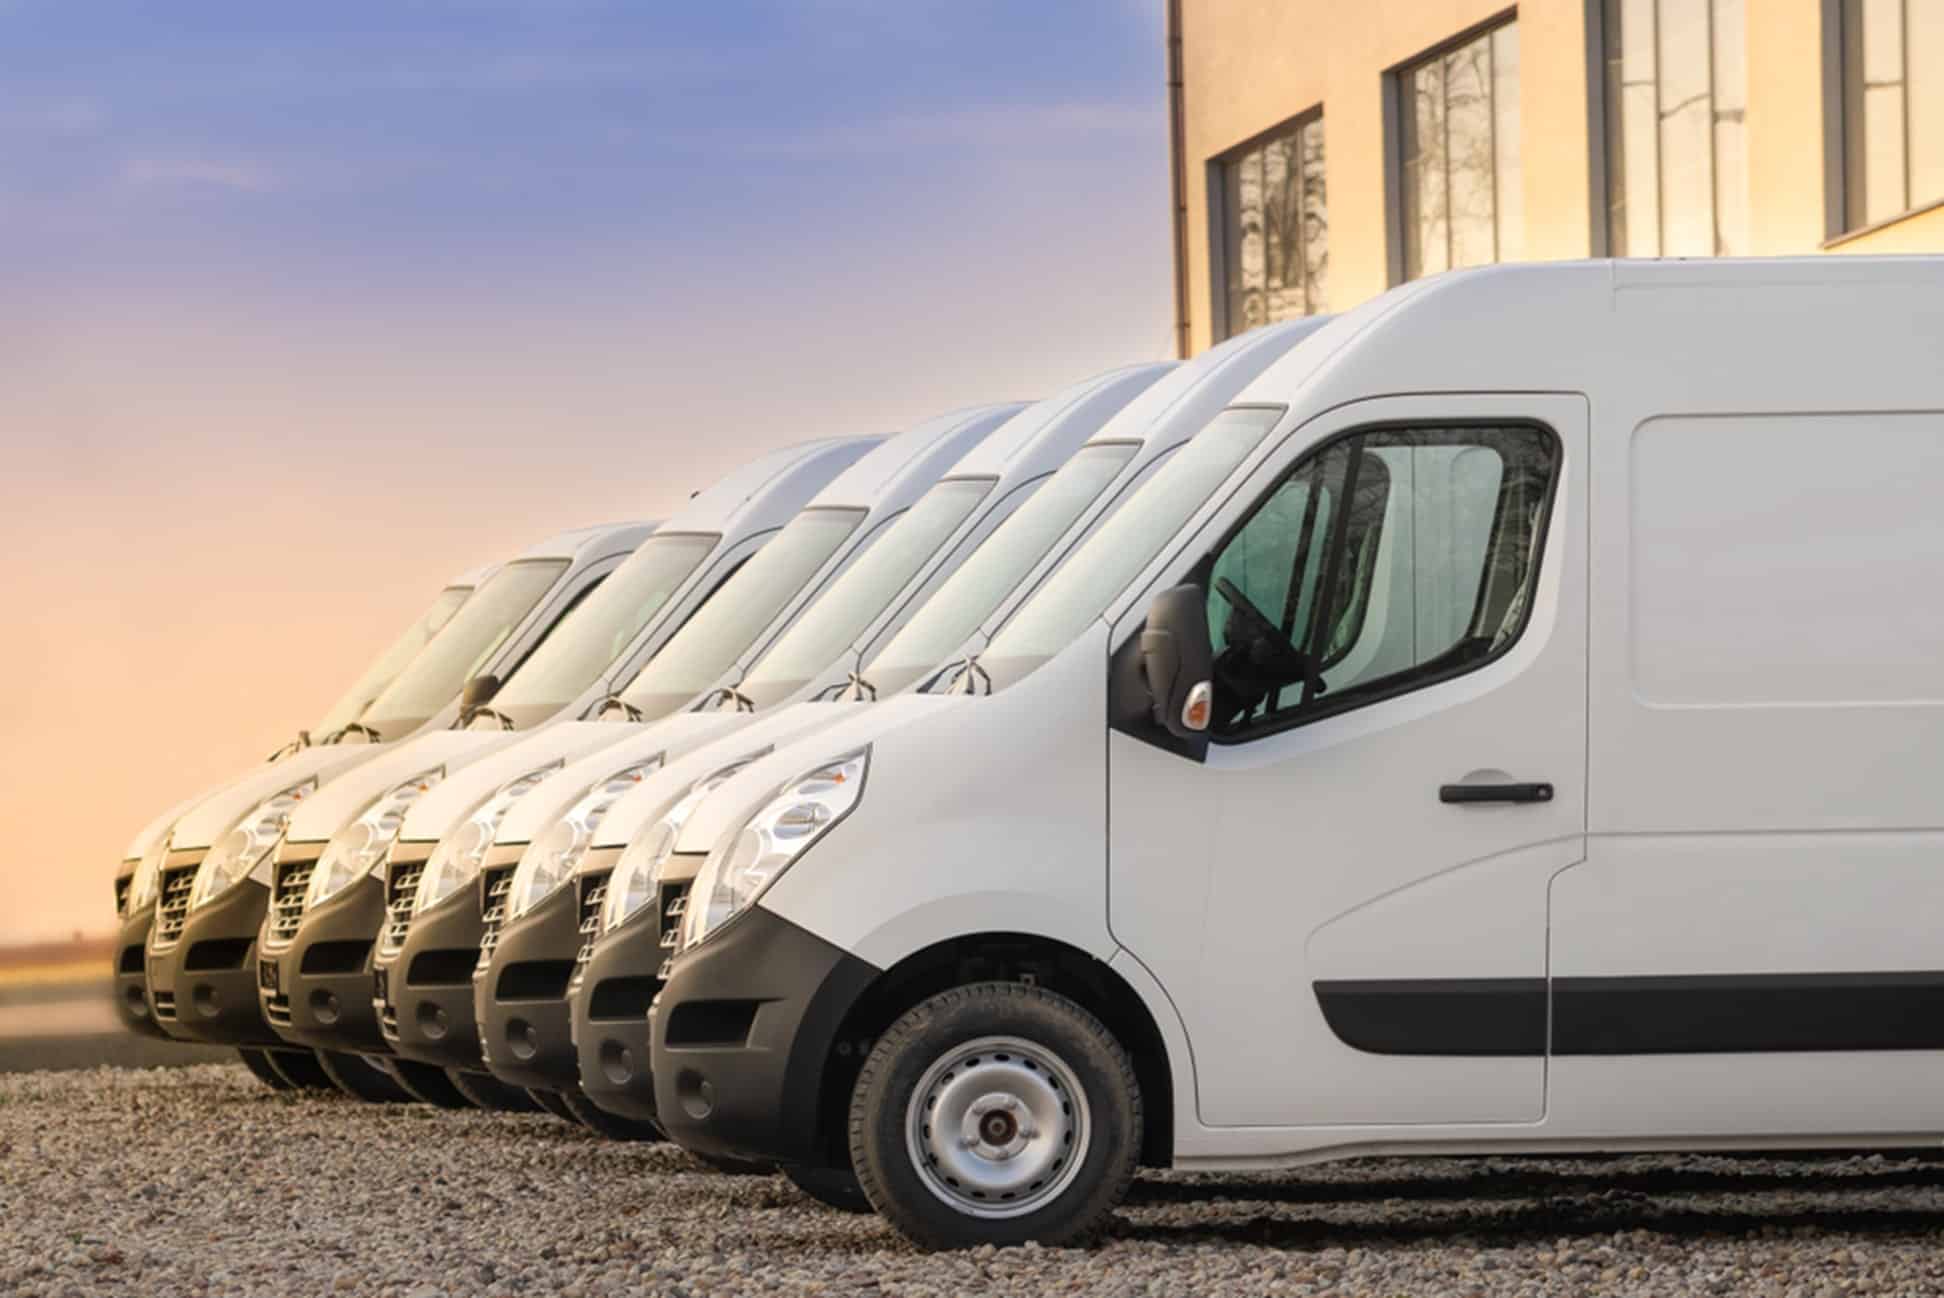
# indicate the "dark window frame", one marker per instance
pixel 1409 681
pixel 1397 107
pixel 1215 187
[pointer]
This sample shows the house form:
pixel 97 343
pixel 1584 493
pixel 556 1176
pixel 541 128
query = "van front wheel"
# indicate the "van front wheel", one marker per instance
pixel 996 1113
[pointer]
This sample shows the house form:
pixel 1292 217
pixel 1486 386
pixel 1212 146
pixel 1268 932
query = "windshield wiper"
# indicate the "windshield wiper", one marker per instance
pixel 970 670
pixel 297 745
pixel 353 728
pixel 730 694
pixel 627 709
pixel 862 690
pixel 506 722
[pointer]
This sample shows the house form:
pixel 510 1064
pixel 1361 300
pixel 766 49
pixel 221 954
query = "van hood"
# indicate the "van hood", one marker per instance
pixel 217 813
pixel 633 814
pixel 731 804
pixel 450 802
pixel 671 736
pixel 342 800
pixel 161 825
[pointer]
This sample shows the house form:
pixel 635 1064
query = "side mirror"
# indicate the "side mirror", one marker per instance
pixel 1178 661
pixel 479 691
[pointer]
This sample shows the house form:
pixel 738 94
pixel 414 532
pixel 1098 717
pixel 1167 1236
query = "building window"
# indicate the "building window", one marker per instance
pixel 1893 107
pixel 1458 155
pixel 1274 231
pixel 1677 131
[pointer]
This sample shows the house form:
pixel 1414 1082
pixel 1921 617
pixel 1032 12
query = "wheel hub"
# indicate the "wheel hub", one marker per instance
pixel 998 1126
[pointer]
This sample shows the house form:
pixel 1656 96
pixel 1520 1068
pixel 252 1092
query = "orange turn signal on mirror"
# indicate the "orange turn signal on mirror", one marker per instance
pixel 1201 701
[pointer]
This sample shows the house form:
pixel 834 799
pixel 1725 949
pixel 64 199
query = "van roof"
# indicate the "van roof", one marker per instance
pixel 1022 444
pixel 1691 335
pixel 900 468
pixel 598 538
pixel 768 490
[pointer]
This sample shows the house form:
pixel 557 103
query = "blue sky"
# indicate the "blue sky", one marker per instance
pixel 306 306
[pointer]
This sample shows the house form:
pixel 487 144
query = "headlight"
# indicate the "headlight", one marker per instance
pixel 632 885
pixel 455 861
pixel 550 859
pixel 742 866
pixel 148 873
pixel 358 848
pixel 238 853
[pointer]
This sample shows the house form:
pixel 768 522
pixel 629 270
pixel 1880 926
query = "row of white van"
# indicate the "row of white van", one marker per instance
pixel 1502 717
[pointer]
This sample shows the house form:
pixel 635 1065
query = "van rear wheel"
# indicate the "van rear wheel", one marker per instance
pixel 609 1126
pixel 258 1062
pixel 833 1187
pixel 488 1092
pixel 300 1068
pixel 996 1113
pixel 362 1080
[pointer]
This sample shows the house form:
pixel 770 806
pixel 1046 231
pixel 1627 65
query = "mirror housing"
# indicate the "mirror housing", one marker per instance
pixel 479 691
pixel 1178 661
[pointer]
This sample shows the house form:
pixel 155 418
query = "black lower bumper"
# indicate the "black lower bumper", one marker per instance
pixel 610 1017
pixel 424 990
pixel 316 991
pixel 205 982
pixel 520 997
pixel 742 1033
pixel 131 973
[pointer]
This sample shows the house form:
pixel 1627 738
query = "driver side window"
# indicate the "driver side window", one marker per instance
pixel 1385 561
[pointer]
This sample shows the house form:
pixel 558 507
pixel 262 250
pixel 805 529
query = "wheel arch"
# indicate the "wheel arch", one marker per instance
pixel 1002 956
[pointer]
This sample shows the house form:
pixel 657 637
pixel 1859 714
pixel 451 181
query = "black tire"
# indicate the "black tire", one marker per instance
pixel 609 1126
pixel 722 1165
pixel 427 1083
pixel 833 1187
pixel 300 1068
pixel 488 1092
pixel 361 1080
pixel 550 1102
pixel 258 1063
pixel 1048 1047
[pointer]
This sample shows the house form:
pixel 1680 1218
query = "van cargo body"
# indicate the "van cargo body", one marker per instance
pixel 1508 727
pixel 200 964
pixel 329 897
pixel 649 849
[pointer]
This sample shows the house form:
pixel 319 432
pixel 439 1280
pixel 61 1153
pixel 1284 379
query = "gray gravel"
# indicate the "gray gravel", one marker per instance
pixel 199 1181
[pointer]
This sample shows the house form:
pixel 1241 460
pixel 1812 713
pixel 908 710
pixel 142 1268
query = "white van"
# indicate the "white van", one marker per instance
pixel 432 938
pixel 1509 727
pixel 213 866
pixel 135 896
pixel 530 951
pixel 619 971
pixel 326 901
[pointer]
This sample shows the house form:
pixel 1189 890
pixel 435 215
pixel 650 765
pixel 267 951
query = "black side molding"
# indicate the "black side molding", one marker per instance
pixel 1689 1014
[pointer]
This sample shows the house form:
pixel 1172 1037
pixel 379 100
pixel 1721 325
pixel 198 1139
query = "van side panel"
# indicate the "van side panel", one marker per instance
pixel 1765 866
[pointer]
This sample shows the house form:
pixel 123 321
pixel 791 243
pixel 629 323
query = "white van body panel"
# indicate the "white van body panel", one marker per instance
pixel 344 798
pixel 1727 674
pixel 161 825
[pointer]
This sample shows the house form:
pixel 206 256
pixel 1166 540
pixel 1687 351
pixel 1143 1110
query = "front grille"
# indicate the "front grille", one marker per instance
pixel 122 886
pixel 165 1006
pixel 288 885
pixel 401 887
pixel 674 905
pixel 172 911
pixel 593 896
pixel 496 884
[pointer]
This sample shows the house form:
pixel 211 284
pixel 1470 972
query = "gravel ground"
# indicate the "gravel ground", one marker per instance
pixel 199 1181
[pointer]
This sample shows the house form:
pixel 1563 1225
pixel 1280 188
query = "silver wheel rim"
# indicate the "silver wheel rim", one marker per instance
pixel 998 1127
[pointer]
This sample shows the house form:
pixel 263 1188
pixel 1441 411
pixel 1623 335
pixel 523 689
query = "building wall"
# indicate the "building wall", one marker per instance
pixel 1249 65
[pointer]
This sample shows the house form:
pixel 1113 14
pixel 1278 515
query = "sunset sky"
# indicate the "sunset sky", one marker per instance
pixel 305 308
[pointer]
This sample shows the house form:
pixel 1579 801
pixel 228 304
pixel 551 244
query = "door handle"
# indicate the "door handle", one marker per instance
pixel 1462 794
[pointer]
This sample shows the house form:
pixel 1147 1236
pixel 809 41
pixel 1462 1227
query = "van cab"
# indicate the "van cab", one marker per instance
pixel 640 841
pixel 553 894
pixel 214 866
pixel 327 895
pixel 1509 726
pixel 136 878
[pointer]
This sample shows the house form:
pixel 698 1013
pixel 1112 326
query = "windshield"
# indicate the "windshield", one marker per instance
pixel 838 616
pixel 970 595
pixel 462 649
pixel 600 630
pixel 391 662
pixel 1126 543
pixel 723 629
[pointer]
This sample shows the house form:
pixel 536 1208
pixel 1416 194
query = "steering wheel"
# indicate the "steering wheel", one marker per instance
pixel 1272 658
pixel 1259 624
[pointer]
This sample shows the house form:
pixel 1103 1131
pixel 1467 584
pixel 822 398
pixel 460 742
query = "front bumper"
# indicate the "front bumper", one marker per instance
pixel 131 973
pixel 611 993
pixel 742 1033
pixel 315 989
pixel 423 987
pixel 202 970
pixel 520 995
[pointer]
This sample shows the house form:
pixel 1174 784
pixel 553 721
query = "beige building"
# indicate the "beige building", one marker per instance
pixel 1325 150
